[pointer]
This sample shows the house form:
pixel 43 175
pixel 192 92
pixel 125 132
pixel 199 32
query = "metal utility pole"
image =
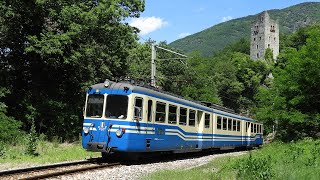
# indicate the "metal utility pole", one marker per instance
pixel 153 65
pixel 153 61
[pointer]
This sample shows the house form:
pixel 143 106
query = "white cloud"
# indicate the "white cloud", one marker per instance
pixel 182 35
pixel 147 25
pixel 226 18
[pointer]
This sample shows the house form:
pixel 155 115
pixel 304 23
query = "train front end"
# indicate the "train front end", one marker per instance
pixel 105 118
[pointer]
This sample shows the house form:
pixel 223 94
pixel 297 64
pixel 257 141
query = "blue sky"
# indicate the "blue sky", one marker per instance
pixel 169 20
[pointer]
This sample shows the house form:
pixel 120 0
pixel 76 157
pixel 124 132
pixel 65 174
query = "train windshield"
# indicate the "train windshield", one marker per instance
pixel 95 105
pixel 117 106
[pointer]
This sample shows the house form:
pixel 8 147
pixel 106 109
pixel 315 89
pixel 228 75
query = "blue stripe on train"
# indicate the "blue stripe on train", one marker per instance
pixel 165 127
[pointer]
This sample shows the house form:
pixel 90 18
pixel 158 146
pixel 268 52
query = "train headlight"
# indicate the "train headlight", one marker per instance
pixel 119 133
pixel 86 130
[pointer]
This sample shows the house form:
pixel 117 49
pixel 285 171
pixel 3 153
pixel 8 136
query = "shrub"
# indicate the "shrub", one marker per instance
pixel 255 167
pixel 56 141
pixel 42 143
pixel 32 139
pixel 9 126
pixel 2 150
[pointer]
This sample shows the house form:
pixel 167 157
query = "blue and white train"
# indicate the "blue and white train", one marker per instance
pixel 126 118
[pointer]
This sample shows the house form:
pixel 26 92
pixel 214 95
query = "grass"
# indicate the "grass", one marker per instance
pixel 47 152
pixel 294 161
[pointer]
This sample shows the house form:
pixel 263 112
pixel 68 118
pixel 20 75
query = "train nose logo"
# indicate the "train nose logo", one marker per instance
pixel 102 126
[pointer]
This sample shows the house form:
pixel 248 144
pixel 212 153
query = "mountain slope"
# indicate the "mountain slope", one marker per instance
pixel 217 37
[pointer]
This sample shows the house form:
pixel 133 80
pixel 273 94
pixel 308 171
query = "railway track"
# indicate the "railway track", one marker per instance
pixel 54 170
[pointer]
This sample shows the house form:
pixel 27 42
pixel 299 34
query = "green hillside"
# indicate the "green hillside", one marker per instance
pixel 217 37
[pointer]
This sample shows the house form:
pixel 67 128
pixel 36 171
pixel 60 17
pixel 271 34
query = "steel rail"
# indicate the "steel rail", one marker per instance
pixel 30 169
pixel 69 171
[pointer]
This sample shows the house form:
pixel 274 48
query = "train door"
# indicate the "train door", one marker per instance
pixel 213 129
pixel 243 130
pixel 149 112
pixel 201 130
pixel 138 113
pixel 149 125
pixel 248 133
pixel 160 118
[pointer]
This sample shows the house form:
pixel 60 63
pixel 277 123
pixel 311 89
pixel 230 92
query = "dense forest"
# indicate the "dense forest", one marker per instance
pixel 52 51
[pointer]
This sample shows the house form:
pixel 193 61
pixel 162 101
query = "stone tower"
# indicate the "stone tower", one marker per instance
pixel 264 34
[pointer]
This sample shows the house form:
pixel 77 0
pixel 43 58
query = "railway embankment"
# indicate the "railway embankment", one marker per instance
pixel 47 153
pixel 295 160
pixel 277 160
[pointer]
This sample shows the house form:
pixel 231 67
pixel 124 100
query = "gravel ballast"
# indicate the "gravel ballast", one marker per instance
pixel 137 171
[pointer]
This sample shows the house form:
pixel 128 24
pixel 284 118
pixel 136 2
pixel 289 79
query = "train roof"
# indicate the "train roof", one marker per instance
pixel 155 92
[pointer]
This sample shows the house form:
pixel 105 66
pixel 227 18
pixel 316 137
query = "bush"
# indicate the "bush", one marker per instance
pixel 2 150
pixel 255 167
pixel 10 131
pixel 42 143
pixel 56 140
pixel 32 140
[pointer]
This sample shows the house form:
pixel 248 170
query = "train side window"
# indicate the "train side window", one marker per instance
pixel 251 127
pixel 219 122
pixel 172 114
pixel 160 112
pixel 183 116
pixel 224 123
pixel 192 118
pixel 238 125
pixel 207 121
pixel 229 124
pixel 234 125
pixel 247 126
pixel 138 108
pixel 259 128
pixel 255 128
pixel 150 111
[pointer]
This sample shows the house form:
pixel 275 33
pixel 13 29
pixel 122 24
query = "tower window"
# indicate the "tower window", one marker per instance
pixel 268 45
pixel 274 38
pixel 257 46
pixel 272 29
pixel 260 38
pixel 254 39
pixel 257 55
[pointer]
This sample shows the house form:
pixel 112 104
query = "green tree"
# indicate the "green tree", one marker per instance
pixel 292 100
pixel 52 50
pixel 199 83
pixel 268 57
pixel 139 62
pixel 10 128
